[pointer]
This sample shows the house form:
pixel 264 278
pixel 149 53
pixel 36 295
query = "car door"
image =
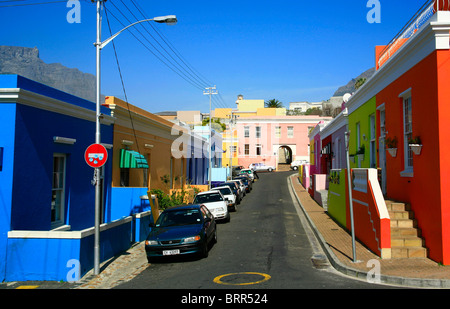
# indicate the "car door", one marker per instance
pixel 209 223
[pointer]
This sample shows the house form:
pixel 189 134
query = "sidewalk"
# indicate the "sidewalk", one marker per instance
pixel 337 243
pixel 117 270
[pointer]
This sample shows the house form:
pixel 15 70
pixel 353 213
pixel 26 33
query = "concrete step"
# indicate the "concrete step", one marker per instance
pixel 408 252
pixel 401 214
pixel 412 223
pixel 407 241
pixel 404 231
pixel 397 206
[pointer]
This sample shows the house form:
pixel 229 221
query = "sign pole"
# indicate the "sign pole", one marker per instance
pixel 350 198
pixel 97 141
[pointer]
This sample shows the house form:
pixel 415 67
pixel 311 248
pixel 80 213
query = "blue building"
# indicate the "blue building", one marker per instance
pixel 46 195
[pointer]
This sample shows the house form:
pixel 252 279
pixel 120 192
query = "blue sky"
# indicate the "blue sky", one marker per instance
pixel 290 50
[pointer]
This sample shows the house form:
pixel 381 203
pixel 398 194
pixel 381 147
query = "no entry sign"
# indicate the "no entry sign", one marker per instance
pixel 96 155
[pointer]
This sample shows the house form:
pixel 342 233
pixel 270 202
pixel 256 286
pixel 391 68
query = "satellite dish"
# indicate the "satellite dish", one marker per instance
pixel 347 97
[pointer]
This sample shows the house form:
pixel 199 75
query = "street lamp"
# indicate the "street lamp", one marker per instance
pixel 349 181
pixel 169 19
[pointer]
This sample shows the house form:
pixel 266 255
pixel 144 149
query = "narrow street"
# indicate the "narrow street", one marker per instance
pixel 263 247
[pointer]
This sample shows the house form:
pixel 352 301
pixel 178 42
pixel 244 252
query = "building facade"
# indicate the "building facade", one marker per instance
pixel 274 140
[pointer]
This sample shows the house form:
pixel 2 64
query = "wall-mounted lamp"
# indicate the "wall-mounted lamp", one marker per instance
pixel 64 140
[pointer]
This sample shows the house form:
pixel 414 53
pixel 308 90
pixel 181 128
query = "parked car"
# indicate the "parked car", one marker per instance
pixel 235 170
pixel 247 182
pixel 227 194
pixel 240 184
pixel 248 172
pixel 259 167
pixel 181 230
pixel 295 164
pixel 215 202
pixel 236 190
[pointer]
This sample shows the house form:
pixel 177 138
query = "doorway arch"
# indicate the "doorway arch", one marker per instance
pixel 284 155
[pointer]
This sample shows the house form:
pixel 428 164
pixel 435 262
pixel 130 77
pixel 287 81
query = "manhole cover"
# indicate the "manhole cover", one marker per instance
pixel 246 278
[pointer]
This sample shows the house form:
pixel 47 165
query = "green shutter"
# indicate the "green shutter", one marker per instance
pixel 132 159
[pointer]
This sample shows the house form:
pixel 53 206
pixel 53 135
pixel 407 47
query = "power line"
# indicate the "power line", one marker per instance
pixel 123 85
pixel 177 63
pixel 173 49
pixel 163 53
pixel 158 57
pixel 25 4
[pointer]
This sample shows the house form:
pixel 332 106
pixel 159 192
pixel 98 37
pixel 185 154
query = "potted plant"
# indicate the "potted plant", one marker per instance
pixel 391 146
pixel 415 144
pixel 360 152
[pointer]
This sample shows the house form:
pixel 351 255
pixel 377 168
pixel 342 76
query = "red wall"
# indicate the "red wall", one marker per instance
pixel 431 121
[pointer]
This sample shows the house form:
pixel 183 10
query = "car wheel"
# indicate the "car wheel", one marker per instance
pixel 295 168
pixel 205 250
pixel 215 236
pixel 270 170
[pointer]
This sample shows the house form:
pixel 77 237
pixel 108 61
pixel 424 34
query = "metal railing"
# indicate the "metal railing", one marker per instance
pixel 409 30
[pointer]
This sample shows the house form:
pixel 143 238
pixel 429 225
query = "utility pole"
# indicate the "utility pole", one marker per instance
pixel 210 91
pixel 98 141
pixel 232 121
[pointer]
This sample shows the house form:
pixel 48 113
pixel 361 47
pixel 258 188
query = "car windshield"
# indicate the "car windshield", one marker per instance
pixel 225 191
pixel 233 185
pixel 208 198
pixel 244 180
pixel 179 217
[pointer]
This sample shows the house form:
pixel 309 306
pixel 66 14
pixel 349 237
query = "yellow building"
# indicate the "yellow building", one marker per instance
pixel 149 136
pixel 230 144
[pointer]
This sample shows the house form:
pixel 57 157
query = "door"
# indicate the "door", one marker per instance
pixel 382 150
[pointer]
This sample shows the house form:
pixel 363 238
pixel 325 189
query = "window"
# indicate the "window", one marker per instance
pixel 277 132
pixel 373 159
pixel 247 149
pixel 58 188
pixel 246 131
pixel 258 132
pixel 124 177
pixel 407 134
pixel 258 149
pixel 1 159
pixel 290 132
pixel 233 150
pixel 358 140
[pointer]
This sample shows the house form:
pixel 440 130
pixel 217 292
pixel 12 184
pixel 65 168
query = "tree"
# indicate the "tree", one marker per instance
pixel 216 124
pixel 359 83
pixel 273 103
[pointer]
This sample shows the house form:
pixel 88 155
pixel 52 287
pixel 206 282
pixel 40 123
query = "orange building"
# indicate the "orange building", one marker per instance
pixel 412 93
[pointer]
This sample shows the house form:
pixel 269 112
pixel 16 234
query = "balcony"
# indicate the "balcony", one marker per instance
pixel 418 21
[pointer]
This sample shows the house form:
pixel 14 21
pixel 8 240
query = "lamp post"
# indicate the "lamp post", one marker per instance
pixel 170 19
pixel 210 91
pixel 349 181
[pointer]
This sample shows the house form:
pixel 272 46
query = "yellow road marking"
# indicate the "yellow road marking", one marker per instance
pixel 218 279
pixel 27 287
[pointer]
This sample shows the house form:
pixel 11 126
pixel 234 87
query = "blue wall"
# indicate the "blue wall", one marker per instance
pixel 47 258
pixel 126 202
pixel 7 121
pixel 26 176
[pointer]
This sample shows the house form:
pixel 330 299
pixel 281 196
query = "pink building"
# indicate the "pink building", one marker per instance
pixel 274 140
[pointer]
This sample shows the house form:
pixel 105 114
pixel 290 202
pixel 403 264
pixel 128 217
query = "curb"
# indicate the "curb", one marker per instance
pixel 359 274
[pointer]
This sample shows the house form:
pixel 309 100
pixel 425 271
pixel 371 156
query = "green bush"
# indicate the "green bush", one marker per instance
pixel 169 200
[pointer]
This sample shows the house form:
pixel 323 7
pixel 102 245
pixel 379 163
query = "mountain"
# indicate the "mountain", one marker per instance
pixel 25 61
pixel 350 87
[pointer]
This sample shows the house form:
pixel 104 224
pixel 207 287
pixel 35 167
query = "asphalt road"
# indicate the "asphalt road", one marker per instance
pixel 264 246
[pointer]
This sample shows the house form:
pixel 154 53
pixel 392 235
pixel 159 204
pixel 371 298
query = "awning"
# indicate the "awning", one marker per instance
pixel 132 159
